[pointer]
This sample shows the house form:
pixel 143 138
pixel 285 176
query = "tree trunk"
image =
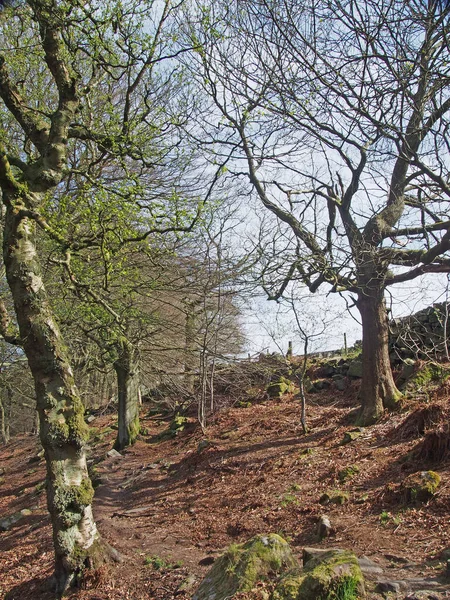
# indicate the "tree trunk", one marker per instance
pixel 63 432
pixel 127 371
pixel 378 390
pixel 189 348
pixel 4 425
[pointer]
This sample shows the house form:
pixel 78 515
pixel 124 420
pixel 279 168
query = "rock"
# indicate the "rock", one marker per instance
pixel 276 389
pixel 355 369
pixel 243 565
pixel 334 497
pixel 340 382
pixel 408 368
pixel 420 487
pixel 178 424
pixel 424 595
pixel 113 454
pixel 333 574
pixel 310 553
pixel 389 587
pixel 369 567
pixel 90 418
pixel 8 522
pixel 351 436
pixel 348 473
pixel 203 444
pixel 324 528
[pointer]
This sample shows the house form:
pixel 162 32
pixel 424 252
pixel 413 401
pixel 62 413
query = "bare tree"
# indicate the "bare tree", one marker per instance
pixel 337 113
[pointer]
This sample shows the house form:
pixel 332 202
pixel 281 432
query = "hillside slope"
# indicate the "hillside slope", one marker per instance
pixel 169 506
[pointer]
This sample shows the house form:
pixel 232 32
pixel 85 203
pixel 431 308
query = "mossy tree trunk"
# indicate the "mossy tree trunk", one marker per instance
pixel 378 390
pixel 25 187
pixel 127 372
pixel 63 432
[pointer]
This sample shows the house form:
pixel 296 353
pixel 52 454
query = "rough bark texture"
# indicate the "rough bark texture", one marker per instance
pixel 378 390
pixel 63 431
pixel 127 371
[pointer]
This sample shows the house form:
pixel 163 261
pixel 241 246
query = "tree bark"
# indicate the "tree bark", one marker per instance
pixel 4 424
pixel 127 372
pixel 378 390
pixel 63 432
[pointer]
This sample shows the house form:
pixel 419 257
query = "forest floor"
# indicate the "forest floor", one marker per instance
pixel 170 507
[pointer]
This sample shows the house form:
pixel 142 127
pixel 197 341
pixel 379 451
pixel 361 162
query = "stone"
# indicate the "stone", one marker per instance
pixel 424 595
pixel 369 567
pixel 334 497
pixel 333 574
pixel 8 522
pixel 113 454
pixel 340 383
pixel 420 487
pixel 355 369
pixel 202 445
pixel 389 587
pixel 90 418
pixel 324 528
pixel 244 565
pixel 351 436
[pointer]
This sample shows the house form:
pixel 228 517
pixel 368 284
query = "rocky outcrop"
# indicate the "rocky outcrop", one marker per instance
pixel 331 574
pixel 243 565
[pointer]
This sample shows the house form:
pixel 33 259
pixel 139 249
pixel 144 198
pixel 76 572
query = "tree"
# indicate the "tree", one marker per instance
pixel 82 91
pixel 337 113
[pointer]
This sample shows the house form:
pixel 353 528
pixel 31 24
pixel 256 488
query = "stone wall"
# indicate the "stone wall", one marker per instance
pixel 423 334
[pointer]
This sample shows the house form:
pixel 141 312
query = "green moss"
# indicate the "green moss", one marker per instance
pixel 351 436
pixel 178 423
pixel 429 373
pixel 277 389
pixel 334 575
pixel 348 473
pixel 69 501
pixel 334 497
pixel 244 565
pixel 133 429
pixel 421 487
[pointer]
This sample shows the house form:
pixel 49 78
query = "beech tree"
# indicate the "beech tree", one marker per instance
pixel 86 109
pixel 337 113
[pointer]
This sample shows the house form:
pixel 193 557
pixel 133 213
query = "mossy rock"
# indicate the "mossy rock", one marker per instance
pixel 334 575
pixel 334 497
pixel 426 375
pixel 178 423
pixel 242 566
pixel 348 473
pixel 278 388
pixel 420 487
pixel 351 436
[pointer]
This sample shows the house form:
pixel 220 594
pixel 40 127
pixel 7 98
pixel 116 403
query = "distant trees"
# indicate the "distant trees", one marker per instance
pixel 337 113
